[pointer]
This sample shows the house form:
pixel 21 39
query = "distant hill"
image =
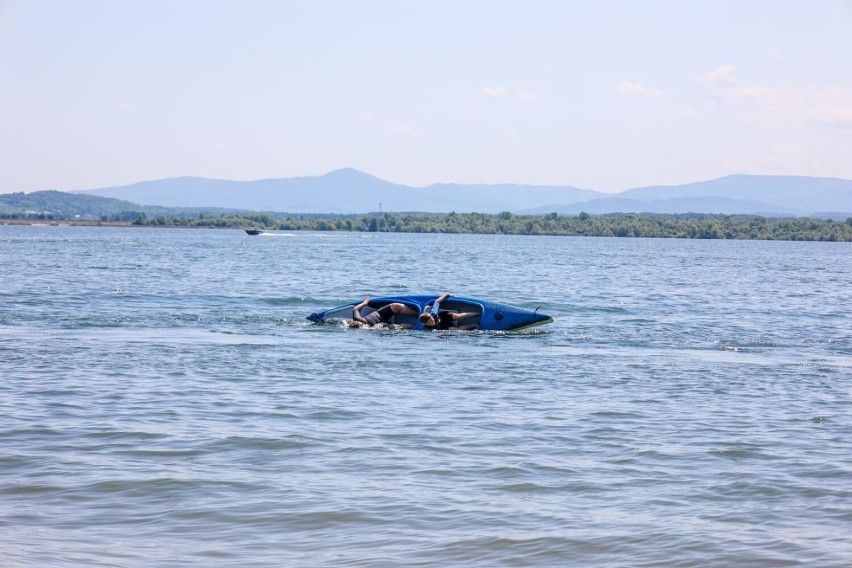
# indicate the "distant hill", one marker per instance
pixel 341 191
pixel 675 205
pixel 791 192
pixel 63 205
pixel 350 191
pixel 732 195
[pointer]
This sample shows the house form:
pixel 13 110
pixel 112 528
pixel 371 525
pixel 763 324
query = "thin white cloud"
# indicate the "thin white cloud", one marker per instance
pixel 636 90
pixel 218 146
pixel 721 74
pixel 526 95
pixel 789 105
pixel 124 107
pixel 788 150
pixel 791 159
pixel 829 115
pixel 688 112
pixel 496 92
pixel 404 129
pixel 757 93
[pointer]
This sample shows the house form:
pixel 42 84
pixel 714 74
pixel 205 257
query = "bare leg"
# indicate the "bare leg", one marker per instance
pixel 398 308
pixel 464 315
pixel 356 311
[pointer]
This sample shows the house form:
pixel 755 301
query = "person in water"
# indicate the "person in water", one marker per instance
pixel 382 316
pixel 445 319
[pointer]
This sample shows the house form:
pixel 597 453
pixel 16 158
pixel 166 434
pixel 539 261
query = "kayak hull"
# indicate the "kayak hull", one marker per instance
pixel 490 316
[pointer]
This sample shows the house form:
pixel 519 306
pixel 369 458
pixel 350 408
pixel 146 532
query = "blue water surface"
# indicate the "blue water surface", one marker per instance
pixel 164 402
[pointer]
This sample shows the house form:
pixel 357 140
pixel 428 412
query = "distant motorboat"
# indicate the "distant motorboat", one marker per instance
pixel 491 316
pixel 254 231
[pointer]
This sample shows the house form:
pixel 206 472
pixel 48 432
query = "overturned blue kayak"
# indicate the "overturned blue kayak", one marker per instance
pixel 488 316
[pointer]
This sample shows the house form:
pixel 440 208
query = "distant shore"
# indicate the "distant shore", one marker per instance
pixel 94 223
pixel 722 227
pixel 66 223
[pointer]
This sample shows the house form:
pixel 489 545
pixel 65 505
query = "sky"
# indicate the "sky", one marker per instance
pixel 605 95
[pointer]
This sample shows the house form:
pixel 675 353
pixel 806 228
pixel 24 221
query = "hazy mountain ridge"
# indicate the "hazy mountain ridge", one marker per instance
pixel 675 205
pixel 797 192
pixel 63 205
pixel 351 191
pixel 341 191
pixel 734 194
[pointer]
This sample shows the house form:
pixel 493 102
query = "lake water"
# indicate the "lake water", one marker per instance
pixel 164 402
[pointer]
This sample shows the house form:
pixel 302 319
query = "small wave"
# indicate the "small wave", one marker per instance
pixel 237 443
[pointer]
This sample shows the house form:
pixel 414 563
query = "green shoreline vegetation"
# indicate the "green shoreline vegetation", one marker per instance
pixel 681 226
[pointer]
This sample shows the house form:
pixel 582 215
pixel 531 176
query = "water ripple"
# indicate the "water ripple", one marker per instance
pixel 165 403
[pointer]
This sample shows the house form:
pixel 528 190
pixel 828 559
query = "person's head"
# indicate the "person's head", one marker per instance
pixel 356 324
pixel 427 320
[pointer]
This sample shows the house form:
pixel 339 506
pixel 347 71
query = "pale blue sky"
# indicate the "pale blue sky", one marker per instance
pixel 604 95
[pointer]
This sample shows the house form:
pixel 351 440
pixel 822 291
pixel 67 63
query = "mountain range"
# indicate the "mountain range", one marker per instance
pixel 351 191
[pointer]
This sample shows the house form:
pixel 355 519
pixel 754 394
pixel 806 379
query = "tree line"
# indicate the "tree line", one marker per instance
pixel 55 205
pixel 684 226
pixel 681 226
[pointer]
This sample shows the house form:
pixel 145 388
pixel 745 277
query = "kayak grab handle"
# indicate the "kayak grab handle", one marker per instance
pixel 537 309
